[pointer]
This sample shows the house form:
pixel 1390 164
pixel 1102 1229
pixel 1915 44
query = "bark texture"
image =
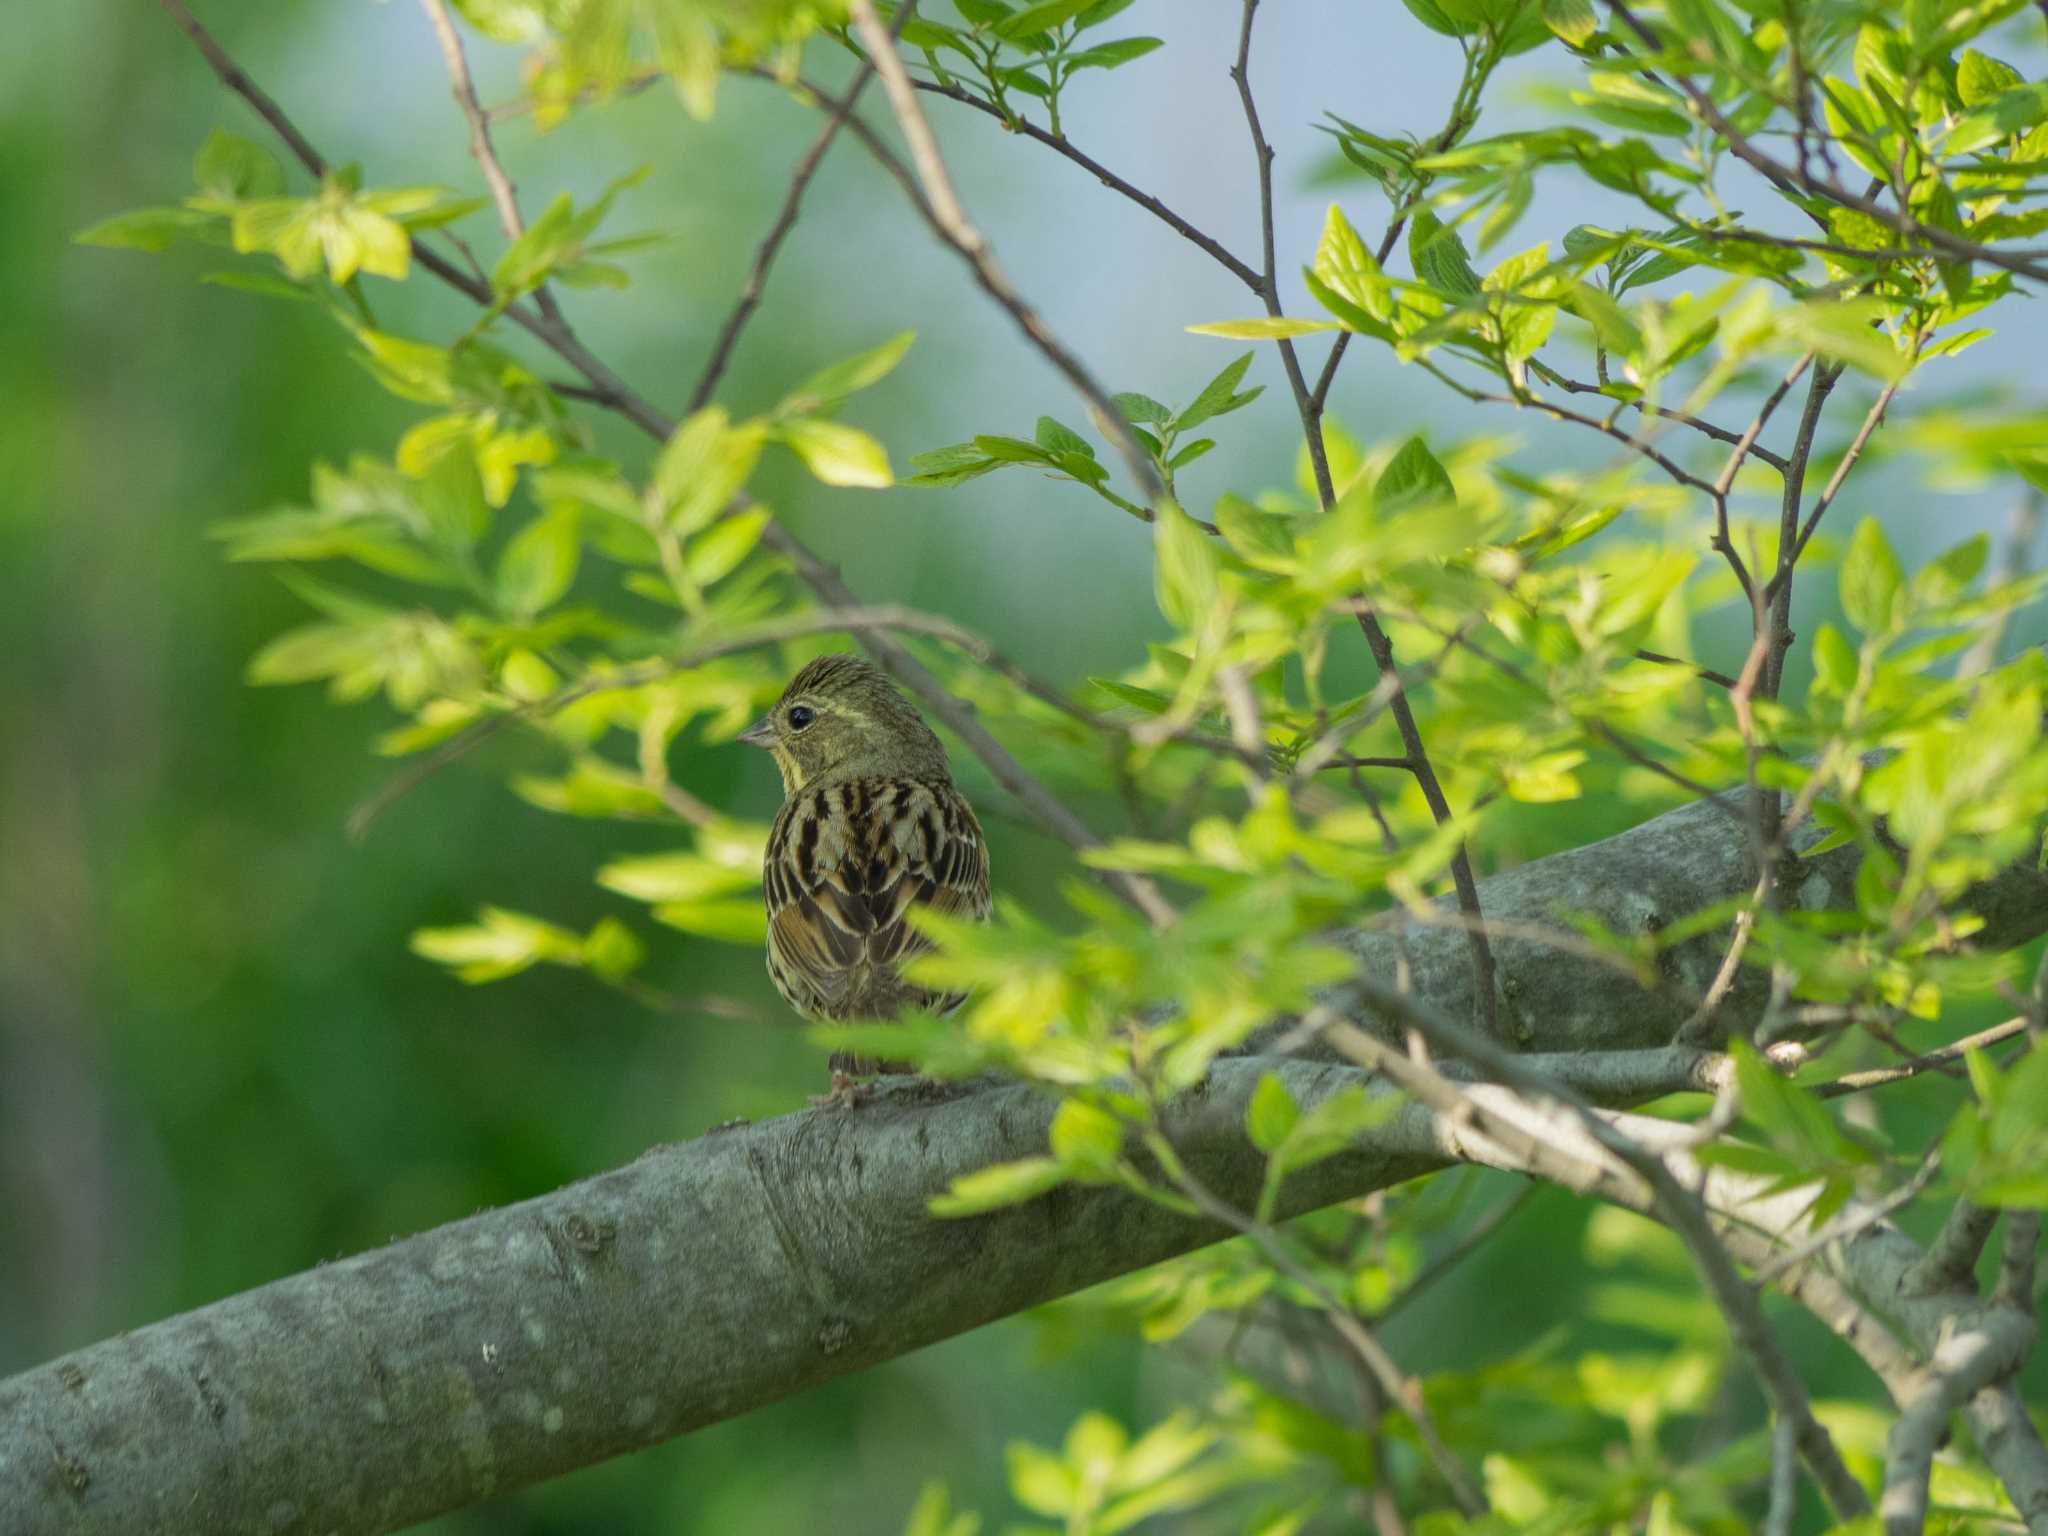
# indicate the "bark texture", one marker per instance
pixel 718 1275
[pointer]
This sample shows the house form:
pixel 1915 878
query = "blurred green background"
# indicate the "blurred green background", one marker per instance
pixel 218 1062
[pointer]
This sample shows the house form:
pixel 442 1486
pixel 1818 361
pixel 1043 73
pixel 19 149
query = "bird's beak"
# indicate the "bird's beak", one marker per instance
pixel 760 734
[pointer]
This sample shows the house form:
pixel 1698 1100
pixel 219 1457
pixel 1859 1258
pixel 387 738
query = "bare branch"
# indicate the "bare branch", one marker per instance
pixel 503 197
pixel 1878 1077
pixel 785 220
pixel 946 215
pixel 1376 639
pixel 1749 447
pixel 1066 149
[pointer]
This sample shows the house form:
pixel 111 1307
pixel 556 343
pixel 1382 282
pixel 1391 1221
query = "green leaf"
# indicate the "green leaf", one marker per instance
pixel 952 465
pixel 735 922
pixel 1264 539
pixel 1572 20
pixel 1043 17
pixel 1797 1123
pixel 1945 578
pixel 1347 269
pixel 1439 18
pixel 1272 1115
pixel 1013 450
pixel 703 467
pixel 1263 328
pixel 933 1515
pixel 1413 475
pixel 1114 54
pixel 539 562
pixel 826 388
pixel 1834 661
pixel 1871 580
pixel 1186 568
pixel 1057 437
pixel 2004 116
pixel 838 454
pixel 1979 77
pixel 231 169
pixel 1849 332
pixel 1438 255
pixel 989 1189
pixel 611 951
pixel 1143 409
pixel 499 944
pixel 1085 1139
pixel 1332 1125
pixel 1218 397
pixel 149 229
pixel 717 552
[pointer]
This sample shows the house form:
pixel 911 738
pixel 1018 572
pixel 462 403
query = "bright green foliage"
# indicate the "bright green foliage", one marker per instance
pixel 601 47
pixel 1997 1148
pixel 557 247
pixel 1061 453
pixel 496 571
pixel 1005 48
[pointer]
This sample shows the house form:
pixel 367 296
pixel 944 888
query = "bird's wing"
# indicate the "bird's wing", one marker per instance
pixel 846 862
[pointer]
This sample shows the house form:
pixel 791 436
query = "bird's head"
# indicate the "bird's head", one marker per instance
pixel 840 718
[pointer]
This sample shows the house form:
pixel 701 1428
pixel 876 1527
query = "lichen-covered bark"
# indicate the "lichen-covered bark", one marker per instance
pixel 712 1277
pixel 1634 883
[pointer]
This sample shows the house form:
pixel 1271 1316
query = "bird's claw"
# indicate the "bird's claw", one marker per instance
pixel 846 1092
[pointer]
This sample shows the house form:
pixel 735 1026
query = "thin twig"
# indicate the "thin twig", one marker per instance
pixel 1396 1384
pixel 1376 639
pixel 1784 1504
pixel 785 220
pixel 1470 1242
pixel 1722 539
pixel 1852 1223
pixel 1879 1077
pixel 941 205
pixel 1719 679
pixel 1778 590
pixel 1749 447
pixel 503 197
pixel 1214 248
pixel 1871 421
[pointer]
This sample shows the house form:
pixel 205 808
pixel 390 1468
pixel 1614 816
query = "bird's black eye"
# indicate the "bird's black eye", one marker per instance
pixel 801 715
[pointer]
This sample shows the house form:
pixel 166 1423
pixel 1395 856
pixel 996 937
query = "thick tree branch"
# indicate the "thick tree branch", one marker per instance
pixel 710 1278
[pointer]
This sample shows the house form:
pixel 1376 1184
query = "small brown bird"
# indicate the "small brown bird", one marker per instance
pixel 870 824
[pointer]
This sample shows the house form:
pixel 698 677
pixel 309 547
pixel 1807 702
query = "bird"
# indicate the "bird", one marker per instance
pixel 870 825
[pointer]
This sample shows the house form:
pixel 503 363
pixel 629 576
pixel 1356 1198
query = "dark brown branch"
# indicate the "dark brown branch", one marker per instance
pixel 1706 428
pixel 1065 148
pixel 1376 639
pixel 1719 679
pixel 1777 593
